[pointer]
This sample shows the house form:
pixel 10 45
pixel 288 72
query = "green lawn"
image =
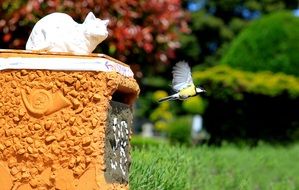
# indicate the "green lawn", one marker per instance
pixel 211 168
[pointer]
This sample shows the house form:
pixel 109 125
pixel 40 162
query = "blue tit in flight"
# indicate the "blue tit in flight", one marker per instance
pixel 182 83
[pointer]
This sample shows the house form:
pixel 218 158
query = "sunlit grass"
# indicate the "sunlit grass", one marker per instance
pixel 205 168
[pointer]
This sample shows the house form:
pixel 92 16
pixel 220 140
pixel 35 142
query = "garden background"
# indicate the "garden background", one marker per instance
pixel 243 52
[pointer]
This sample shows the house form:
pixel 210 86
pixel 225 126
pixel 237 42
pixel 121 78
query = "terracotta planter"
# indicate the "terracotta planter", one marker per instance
pixel 63 128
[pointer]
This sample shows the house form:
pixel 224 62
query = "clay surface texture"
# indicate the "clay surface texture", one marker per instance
pixel 59 131
pixel 58 32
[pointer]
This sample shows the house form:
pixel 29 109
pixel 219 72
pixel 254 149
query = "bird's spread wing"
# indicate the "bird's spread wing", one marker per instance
pixel 181 76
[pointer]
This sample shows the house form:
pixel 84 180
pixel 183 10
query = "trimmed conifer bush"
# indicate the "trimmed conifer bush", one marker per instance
pixel 269 43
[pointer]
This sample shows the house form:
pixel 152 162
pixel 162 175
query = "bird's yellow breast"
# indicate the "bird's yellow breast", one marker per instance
pixel 187 92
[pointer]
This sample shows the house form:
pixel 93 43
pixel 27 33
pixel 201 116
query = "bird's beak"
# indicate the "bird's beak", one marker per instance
pixel 199 90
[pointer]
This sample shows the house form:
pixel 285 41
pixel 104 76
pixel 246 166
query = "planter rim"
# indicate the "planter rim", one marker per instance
pixel 41 60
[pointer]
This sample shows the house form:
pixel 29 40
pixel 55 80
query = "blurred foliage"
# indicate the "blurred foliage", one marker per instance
pixel 224 82
pixel 269 43
pixel 137 141
pixel 161 115
pixel 167 118
pixel 241 105
pixel 159 94
pixel 238 105
pixel 194 105
pixel 215 24
pixel 179 130
pixel 155 81
pixel 137 28
pixel 247 106
pixel 162 112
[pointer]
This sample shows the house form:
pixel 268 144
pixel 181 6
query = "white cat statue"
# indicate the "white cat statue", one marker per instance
pixel 58 32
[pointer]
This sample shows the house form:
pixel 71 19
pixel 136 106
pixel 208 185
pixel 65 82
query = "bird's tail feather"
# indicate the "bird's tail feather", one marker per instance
pixel 167 99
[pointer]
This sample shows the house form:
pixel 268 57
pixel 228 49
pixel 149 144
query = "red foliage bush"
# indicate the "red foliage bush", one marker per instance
pixel 137 27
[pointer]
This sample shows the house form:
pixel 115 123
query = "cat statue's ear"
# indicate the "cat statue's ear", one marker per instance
pixel 106 22
pixel 90 17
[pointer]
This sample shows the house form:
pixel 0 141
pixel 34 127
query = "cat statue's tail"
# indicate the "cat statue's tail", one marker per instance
pixel 39 42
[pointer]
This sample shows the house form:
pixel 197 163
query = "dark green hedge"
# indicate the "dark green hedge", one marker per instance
pixel 269 43
pixel 247 106
pixel 179 130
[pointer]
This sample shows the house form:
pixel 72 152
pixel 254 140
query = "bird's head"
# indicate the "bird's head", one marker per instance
pixel 200 89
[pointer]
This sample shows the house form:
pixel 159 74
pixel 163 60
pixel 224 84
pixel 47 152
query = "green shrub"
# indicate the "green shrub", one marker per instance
pixel 179 130
pixel 225 82
pixel 194 105
pixel 269 43
pixel 250 106
pixel 138 141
